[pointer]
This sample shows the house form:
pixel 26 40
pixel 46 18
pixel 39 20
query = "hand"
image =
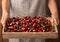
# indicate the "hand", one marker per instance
pixel 3 23
pixel 55 19
pixel 4 18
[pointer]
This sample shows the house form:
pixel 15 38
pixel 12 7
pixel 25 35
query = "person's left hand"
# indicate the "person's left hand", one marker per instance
pixel 55 19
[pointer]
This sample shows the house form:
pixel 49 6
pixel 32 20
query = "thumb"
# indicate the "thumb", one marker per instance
pixel 56 21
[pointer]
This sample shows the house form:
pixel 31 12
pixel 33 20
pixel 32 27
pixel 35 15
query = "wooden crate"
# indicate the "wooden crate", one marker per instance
pixel 41 35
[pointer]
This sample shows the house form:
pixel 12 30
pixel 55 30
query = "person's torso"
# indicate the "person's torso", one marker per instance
pixel 28 8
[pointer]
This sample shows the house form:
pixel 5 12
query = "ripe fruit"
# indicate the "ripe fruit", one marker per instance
pixel 33 30
pixel 34 17
pixel 8 31
pixel 28 24
pixel 17 22
pixel 33 20
pixel 23 29
pixel 34 24
pixel 11 27
pixel 40 19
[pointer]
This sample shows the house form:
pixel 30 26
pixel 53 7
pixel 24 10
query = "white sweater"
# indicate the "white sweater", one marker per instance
pixel 28 8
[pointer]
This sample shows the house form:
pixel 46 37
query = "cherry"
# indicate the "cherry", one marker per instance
pixel 27 31
pixel 8 31
pixel 18 30
pixel 40 19
pixel 10 27
pixel 11 30
pixel 33 30
pixel 41 30
pixel 28 28
pixel 26 25
pixel 53 30
pixel 7 24
pixel 15 30
pixel 23 29
pixel 21 22
pixel 17 22
pixel 34 24
pixel 49 22
pixel 30 24
pixel 11 24
pixel 34 17
pixel 38 25
pixel 33 20
pixel 28 17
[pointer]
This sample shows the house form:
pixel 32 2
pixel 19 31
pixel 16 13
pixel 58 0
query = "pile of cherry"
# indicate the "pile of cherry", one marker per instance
pixel 28 24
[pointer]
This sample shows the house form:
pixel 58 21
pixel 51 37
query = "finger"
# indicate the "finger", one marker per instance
pixel 4 25
pixel 56 21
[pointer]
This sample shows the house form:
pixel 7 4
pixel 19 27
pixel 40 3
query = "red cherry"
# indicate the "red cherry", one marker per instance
pixel 18 30
pixel 28 17
pixel 11 24
pixel 46 23
pixel 30 23
pixel 42 30
pixel 34 24
pixel 22 29
pixel 17 22
pixel 33 30
pixel 11 31
pixel 27 31
pixel 49 22
pixel 23 25
pixel 53 30
pixel 15 30
pixel 38 25
pixel 8 24
pixel 28 20
pixel 10 27
pixel 28 28
pixel 21 22
pixel 37 29
pixel 24 19
pixel 26 25
pixel 34 17
pixel 8 31
pixel 40 19
pixel 33 20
